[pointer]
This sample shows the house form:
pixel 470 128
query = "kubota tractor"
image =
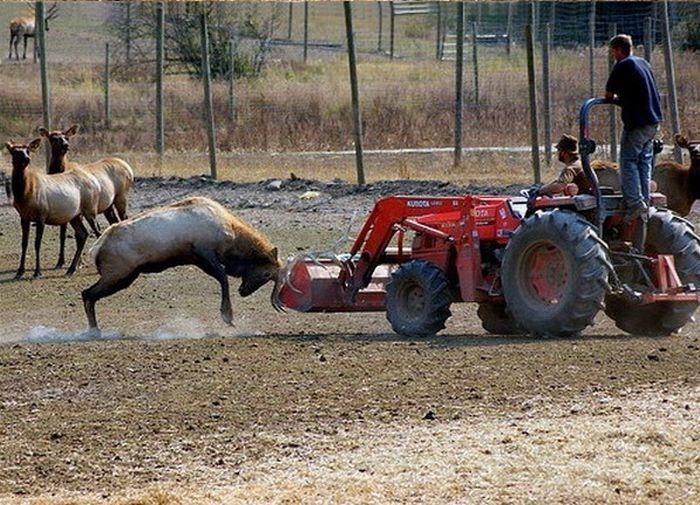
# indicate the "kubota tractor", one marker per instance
pixel 543 266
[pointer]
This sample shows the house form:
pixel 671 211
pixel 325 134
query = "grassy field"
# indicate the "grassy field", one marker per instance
pixel 294 107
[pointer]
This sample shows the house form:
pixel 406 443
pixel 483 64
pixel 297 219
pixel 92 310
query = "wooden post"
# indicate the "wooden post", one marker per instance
pixel 534 134
pixel 160 56
pixel 357 118
pixel 231 83
pixel 128 32
pixel 591 48
pixel 306 31
pixel 208 105
pixel 671 81
pixel 379 28
pixel 438 30
pixel 391 30
pixel 509 29
pixel 44 70
pixel 648 39
pixel 459 84
pixel 108 105
pixel 612 31
pixel 546 93
pixel 475 60
pixel 289 21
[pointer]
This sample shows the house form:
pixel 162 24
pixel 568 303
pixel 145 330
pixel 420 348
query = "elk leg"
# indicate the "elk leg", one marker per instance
pixel 25 243
pixel 110 215
pixel 61 247
pixel 101 289
pixel 9 57
pixel 24 56
pixel 121 203
pixel 209 264
pixel 37 248
pixel 81 235
pixel 94 226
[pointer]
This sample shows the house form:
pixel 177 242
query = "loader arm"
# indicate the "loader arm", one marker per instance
pixel 388 217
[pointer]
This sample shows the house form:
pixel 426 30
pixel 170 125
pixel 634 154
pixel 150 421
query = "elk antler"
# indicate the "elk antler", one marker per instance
pixel 52 12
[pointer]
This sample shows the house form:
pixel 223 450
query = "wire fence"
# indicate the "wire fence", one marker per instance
pixel 407 102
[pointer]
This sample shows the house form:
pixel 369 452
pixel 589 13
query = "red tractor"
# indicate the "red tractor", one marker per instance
pixel 543 266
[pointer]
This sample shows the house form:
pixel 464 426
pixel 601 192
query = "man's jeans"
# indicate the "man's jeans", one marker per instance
pixel 635 166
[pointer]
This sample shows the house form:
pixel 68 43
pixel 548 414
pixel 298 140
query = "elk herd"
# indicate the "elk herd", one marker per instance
pixel 195 231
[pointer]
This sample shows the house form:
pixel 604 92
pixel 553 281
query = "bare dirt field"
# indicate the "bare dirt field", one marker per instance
pixel 173 406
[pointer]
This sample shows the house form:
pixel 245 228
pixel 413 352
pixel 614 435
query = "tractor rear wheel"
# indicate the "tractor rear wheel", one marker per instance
pixel 554 273
pixel 418 299
pixel 667 233
pixel 496 319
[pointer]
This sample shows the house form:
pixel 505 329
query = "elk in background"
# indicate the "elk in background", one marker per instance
pixel 50 199
pixel 114 176
pixel 25 27
pixel 680 184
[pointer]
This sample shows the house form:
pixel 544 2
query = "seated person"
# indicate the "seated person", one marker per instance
pixel 572 173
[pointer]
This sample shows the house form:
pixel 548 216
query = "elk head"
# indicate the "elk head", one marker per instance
pixel 59 139
pixel 693 147
pixel 20 153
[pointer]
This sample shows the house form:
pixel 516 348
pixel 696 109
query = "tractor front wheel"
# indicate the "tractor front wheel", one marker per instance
pixel 418 299
pixel 554 273
pixel 666 234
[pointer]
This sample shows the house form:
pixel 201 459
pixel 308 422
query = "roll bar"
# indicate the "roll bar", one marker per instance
pixel 587 147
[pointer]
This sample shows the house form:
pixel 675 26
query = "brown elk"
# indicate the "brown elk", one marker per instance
pixel 114 176
pixel 25 27
pixel 196 231
pixel 680 184
pixel 50 199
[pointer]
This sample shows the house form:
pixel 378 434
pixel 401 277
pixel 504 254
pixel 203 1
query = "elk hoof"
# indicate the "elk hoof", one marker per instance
pixel 37 275
pixel 227 315
pixel 70 271
pixel 18 276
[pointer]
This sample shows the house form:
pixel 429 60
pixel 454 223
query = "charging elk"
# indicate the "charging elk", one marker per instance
pixel 25 27
pixel 196 231
pixel 114 175
pixel 50 199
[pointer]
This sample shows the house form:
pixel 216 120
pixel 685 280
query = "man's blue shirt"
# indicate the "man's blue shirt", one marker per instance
pixel 633 82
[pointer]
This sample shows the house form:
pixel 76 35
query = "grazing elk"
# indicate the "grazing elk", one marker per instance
pixel 196 231
pixel 114 175
pixel 679 183
pixel 50 199
pixel 25 27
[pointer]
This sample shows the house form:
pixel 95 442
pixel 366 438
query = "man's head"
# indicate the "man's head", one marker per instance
pixel 567 148
pixel 620 46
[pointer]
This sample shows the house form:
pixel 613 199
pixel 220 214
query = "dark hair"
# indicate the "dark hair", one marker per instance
pixel 621 41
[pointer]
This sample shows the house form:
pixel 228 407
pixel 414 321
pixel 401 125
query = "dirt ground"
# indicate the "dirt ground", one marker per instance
pixel 173 406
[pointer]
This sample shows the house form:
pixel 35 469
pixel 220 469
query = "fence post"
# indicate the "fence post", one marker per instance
pixel 534 134
pixel 648 37
pixel 306 30
pixel 231 84
pixel 612 31
pixel 475 60
pixel 459 84
pixel 44 69
pixel 357 118
pixel 591 68
pixel 509 28
pixel 546 93
pixel 208 106
pixel 379 28
pixel 289 21
pixel 438 30
pixel 160 56
pixel 671 80
pixel 128 32
pixel 391 30
pixel 108 105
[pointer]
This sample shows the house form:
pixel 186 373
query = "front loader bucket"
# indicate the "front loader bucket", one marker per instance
pixel 314 285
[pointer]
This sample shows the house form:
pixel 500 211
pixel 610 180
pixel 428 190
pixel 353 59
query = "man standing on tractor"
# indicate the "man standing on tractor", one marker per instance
pixel 572 173
pixel 632 83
